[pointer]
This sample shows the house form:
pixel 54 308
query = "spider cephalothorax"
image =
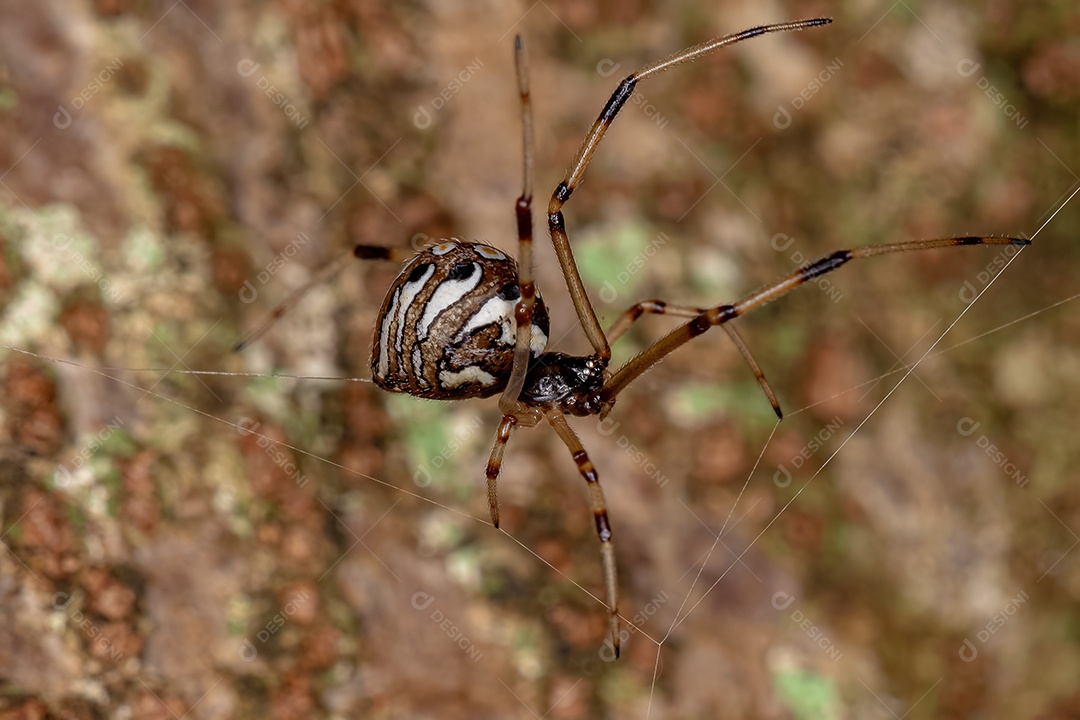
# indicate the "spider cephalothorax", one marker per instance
pixel 564 382
pixel 446 329
pixel 464 319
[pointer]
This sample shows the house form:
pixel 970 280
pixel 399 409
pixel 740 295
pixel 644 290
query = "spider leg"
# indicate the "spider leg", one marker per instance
pixel 556 223
pixel 523 311
pixel 361 252
pixel 523 416
pixel 767 293
pixel 659 307
pixel 557 420
pixel 494 466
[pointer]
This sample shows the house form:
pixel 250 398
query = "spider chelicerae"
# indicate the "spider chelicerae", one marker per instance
pixel 465 320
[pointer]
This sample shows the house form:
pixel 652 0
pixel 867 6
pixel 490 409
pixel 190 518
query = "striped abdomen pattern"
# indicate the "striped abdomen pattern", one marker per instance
pixel 446 328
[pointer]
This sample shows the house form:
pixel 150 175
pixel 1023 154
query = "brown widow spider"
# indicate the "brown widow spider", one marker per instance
pixel 464 320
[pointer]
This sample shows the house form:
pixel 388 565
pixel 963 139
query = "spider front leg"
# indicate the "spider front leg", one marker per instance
pixel 722 314
pixel 523 311
pixel 659 307
pixel 603 526
pixel 556 222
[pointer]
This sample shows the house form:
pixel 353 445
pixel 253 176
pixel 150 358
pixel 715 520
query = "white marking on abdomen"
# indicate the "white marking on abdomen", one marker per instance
pixel 488 252
pixel 451 380
pixel 384 337
pixel 409 291
pixel 448 293
pixel 418 366
pixel 495 310
pixel 539 340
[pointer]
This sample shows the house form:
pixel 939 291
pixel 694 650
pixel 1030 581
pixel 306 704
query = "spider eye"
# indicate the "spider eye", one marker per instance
pixel 461 271
pixel 509 291
pixel 418 272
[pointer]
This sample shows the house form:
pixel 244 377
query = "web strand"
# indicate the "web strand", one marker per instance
pixel 245 431
pixel 829 459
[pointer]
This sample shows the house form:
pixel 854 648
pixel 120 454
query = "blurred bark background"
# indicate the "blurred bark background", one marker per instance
pixel 217 546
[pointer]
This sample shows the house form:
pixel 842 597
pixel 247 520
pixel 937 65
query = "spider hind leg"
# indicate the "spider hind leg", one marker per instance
pixel 603 525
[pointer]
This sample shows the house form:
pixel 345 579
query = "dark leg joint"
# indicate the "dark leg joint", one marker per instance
pixel 523 313
pixel 523 211
pixel 656 307
pixel 371 252
pixel 618 99
pixel 603 529
pixel 562 192
pixel 709 318
pixel 827 264
pixel 556 223
pixel 722 314
pixel 699 325
pixel 585 467
pixel 752 32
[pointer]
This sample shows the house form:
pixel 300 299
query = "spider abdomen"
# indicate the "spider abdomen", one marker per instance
pixel 446 329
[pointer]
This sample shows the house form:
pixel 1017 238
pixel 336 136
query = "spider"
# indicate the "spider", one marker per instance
pixel 465 320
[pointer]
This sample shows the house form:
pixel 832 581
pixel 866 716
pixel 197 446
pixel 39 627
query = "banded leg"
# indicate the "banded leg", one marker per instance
pixel 494 466
pixel 556 222
pixel 527 417
pixel 361 252
pixel 603 527
pixel 659 307
pixel 767 293
pixel 523 311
